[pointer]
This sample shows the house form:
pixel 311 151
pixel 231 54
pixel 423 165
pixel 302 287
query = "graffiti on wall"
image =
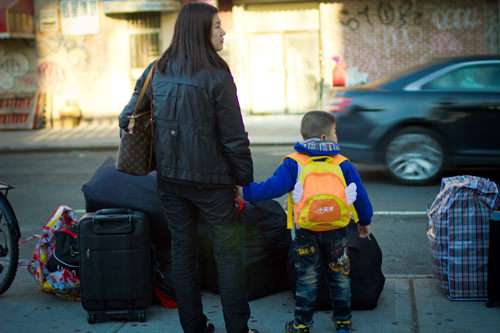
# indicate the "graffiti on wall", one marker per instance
pixel 13 65
pixel 379 36
pixel 447 43
pixel 492 33
pixel 50 75
pixel 456 18
pixel 70 69
pixel 17 84
pixel 59 56
pixel 382 12
pixel 64 60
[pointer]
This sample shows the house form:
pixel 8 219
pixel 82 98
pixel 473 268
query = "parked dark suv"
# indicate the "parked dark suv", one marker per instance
pixel 444 113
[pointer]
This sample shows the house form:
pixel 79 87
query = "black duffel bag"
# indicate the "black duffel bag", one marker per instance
pixel 265 250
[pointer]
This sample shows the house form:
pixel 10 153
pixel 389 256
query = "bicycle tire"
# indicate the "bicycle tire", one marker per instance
pixel 10 235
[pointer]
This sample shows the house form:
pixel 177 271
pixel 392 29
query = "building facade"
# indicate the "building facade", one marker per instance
pixel 284 53
pixel 18 77
pixel 79 59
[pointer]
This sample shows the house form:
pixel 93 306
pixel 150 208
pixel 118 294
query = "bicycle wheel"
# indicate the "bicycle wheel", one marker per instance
pixel 9 244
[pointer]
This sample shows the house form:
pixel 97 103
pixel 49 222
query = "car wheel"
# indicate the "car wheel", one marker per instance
pixel 414 156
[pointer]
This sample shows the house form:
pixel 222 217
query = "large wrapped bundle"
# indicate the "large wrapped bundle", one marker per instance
pixel 459 233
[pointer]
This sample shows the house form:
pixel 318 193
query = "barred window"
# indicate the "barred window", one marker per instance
pixel 144 38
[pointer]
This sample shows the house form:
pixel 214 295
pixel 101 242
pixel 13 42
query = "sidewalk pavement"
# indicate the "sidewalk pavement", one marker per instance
pixel 411 304
pixel 262 130
pixel 408 303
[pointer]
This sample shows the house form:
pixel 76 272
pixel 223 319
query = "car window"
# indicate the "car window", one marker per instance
pixel 478 77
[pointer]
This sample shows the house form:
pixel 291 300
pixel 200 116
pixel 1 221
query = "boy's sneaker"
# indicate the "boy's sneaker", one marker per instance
pixel 343 326
pixel 291 327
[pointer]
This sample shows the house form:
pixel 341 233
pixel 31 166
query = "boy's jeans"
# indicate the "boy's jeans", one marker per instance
pixel 315 251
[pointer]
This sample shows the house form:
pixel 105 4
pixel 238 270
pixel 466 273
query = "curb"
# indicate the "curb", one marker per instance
pixel 102 147
pixel 51 149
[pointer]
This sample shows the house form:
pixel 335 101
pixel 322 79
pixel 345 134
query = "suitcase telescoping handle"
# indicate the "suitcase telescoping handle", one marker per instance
pixel 113 211
pixel 113 221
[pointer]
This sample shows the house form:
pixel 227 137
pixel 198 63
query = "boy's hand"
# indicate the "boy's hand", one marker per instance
pixel 363 230
pixel 130 126
pixel 351 193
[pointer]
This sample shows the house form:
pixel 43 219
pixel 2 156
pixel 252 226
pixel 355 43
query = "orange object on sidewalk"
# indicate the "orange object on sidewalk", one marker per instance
pixel 165 300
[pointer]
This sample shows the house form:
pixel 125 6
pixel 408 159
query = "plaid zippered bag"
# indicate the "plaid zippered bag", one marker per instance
pixel 459 233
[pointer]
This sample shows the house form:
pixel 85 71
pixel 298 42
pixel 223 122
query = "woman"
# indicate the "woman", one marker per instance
pixel 202 153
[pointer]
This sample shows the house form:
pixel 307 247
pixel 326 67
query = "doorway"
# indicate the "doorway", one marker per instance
pixel 283 74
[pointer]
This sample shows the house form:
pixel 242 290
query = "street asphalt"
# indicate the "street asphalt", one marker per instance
pixel 409 302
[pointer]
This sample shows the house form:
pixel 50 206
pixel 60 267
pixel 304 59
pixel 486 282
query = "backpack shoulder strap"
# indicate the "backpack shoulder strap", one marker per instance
pixel 303 158
pixel 337 159
pixel 289 212
pixel 299 158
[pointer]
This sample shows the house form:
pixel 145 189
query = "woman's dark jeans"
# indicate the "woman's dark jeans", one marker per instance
pixel 315 251
pixel 183 206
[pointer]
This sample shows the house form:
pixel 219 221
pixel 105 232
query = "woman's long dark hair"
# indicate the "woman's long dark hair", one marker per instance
pixel 191 48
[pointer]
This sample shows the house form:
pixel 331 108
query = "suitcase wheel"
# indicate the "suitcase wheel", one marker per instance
pixel 91 318
pixel 139 315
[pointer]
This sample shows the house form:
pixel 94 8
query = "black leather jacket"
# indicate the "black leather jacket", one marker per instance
pixel 199 131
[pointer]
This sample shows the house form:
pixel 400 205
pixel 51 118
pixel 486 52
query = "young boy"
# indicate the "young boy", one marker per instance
pixel 316 178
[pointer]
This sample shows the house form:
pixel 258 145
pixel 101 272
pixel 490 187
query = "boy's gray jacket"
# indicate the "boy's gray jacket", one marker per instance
pixel 199 131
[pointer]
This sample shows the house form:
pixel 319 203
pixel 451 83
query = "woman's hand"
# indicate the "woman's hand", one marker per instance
pixel 238 192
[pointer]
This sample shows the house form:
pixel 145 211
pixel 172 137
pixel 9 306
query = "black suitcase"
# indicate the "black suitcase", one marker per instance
pixel 494 261
pixel 115 267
